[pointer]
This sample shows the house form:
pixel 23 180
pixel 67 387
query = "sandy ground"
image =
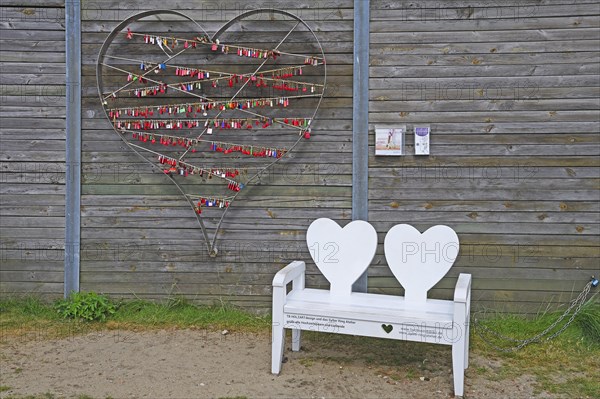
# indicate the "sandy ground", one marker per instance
pixel 200 364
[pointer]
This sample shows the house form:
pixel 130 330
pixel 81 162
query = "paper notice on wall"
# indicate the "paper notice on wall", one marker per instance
pixel 390 141
pixel 422 134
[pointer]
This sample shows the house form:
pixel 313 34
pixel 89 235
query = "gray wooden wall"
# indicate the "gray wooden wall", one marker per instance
pixel 32 146
pixel 143 234
pixel 511 93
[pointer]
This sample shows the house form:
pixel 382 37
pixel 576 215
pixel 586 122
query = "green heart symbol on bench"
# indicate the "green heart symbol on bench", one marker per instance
pixel 387 328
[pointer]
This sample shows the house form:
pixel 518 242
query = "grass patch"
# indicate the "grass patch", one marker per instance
pixel 588 321
pixel 574 351
pixel 33 319
pixel 179 313
pixel 4 388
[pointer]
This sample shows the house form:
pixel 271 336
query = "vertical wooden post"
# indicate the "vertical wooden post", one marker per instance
pixel 360 122
pixel 73 146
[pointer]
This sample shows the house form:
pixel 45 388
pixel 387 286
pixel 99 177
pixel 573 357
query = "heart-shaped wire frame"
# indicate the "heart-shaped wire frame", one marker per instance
pixel 210 244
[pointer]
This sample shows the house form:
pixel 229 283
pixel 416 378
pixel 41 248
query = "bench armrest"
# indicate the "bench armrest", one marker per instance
pixel 289 273
pixel 462 292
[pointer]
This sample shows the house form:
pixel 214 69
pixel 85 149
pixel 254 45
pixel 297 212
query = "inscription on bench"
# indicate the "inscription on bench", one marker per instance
pixel 317 323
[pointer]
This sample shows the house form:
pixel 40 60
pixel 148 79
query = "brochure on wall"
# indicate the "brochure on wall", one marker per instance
pixel 390 141
pixel 422 140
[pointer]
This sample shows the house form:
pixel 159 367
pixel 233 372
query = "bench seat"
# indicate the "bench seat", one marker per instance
pixel 368 307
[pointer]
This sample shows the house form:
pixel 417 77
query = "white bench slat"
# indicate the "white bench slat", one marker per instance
pixel 369 307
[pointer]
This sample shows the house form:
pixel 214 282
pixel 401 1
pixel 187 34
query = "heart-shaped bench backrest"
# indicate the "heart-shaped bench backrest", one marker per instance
pixel 341 254
pixel 419 261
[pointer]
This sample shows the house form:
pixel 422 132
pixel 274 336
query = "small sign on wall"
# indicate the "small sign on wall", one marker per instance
pixel 422 140
pixel 390 141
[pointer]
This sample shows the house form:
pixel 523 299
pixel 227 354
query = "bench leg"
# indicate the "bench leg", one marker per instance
pixel 278 342
pixel 467 333
pixel 458 366
pixel 296 339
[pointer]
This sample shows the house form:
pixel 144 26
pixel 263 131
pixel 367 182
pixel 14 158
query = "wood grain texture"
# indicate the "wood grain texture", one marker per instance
pixel 32 99
pixel 455 68
pixel 510 90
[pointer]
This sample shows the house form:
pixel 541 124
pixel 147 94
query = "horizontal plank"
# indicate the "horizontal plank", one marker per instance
pixel 32 276
pixel 492 102
pixel 236 245
pixel 32 189
pixel 488 36
pixel 291 234
pixel 439 176
pixel 456 171
pixel 342 127
pixel 453 25
pixel 342 158
pixel 530 82
pixel 53 123
pixel 483 59
pixel 55 210
pixel 123 203
pixel 32 78
pixel 31 56
pixel 27 67
pixel 308 152
pixel 33 36
pixel 375 216
pixel 492 12
pixel 33 3
pixel 38 288
pixel 29 45
pixel 483 116
pixel 478 48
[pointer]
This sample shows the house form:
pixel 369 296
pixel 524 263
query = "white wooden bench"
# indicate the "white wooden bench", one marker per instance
pixel 417 260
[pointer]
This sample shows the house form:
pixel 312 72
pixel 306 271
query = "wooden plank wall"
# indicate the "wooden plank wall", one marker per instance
pixel 511 91
pixel 32 140
pixel 139 236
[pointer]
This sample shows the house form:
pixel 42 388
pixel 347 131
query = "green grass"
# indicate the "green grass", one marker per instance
pixel 4 388
pixel 36 319
pixel 177 312
pixel 576 351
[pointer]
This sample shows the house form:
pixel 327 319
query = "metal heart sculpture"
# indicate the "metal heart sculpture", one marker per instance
pixel 211 112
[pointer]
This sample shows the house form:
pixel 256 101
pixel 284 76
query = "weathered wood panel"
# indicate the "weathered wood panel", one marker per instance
pixel 32 103
pixel 522 191
pixel 509 88
pixel 136 226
